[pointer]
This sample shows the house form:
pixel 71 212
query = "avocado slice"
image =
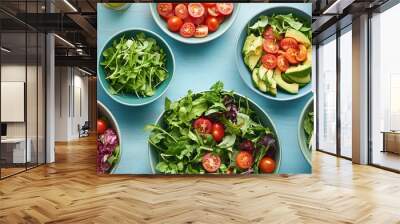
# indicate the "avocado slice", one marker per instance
pixel 270 79
pixel 254 76
pixel 289 87
pixel 262 87
pixel 262 73
pixel 299 36
pixel 252 50
pixel 298 79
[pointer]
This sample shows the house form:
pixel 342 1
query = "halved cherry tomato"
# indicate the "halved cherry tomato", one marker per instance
pixel 218 132
pixel 302 53
pixel 187 30
pixel 196 10
pixel 181 11
pixel 270 46
pixel 212 23
pixel 287 43
pixel 211 162
pixel 282 63
pixel 244 159
pixel 203 125
pixel 269 33
pixel 101 126
pixel 213 11
pixel 165 9
pixel 290 55
pixel 201 31
pixel 225 8
pixel 174 23
pixel 209 4
pixel 269 61
pixel 267 165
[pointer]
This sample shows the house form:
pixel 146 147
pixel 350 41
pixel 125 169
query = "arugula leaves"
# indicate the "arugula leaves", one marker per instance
pixel 135 65
pixel 181 148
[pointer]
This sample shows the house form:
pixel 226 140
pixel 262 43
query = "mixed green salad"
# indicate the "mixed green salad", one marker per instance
pixel 212 132
pixel 135 65
pixel 277 51
pixel 309 128
pixel 108 146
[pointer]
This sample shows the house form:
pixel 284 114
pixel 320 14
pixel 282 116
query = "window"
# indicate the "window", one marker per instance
pixel 346 92
pixel 327 95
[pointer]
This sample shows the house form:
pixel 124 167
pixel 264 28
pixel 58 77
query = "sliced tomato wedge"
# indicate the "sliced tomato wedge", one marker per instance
pixel 269 61
pixel 211 162
pixel 270 46
pixel 203 125
pixel 181 11
pixel 225 8
pixel 165 9
pixel 282 63
pixel 213 11
pixel 187 30
pixel 302 53
pixel 287 43
pixel 290 55
pixel 196 10
pixel 201 31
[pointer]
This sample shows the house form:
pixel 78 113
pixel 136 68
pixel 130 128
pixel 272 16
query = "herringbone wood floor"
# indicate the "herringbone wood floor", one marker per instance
pixel 69 191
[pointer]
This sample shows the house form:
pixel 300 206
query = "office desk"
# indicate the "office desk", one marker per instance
pixel 391 141
pixel 18 149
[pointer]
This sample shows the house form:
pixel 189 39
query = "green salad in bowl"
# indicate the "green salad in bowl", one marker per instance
pixel 306 130
pixel 215 131
pixel 274 53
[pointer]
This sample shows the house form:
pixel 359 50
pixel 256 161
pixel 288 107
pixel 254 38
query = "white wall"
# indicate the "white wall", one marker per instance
pixel 71 93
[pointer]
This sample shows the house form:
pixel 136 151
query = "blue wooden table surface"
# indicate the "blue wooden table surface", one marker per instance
pixel 197 68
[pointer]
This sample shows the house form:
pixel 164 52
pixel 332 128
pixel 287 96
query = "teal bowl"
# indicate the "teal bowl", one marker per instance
pixel 245 73
pixel 102 110
pixel 261 114
pixel 193 40
pixel 132 99
pixel 301 135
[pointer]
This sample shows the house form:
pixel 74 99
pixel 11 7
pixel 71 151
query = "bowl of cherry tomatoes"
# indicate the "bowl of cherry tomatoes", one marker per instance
pixel 194 23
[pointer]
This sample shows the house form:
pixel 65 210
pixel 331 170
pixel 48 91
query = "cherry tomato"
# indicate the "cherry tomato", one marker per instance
pixel 225 8
pixel 244 160
pixel 196 10
pixel 165 9
pixel 290 55
pixel 187 30
pixel 181 11
pixel 282 63
pixel 213 11
pixel 174 23
pixel 302 53
pixel 209 4
pixel 287 43
pixel 212 23
pixel 269 33
pixel 201 31
pixel 211 162
pixel 269 61
pixel 218 132
pixel 270 46
pixel 199 20
pixel 101 126
pixel 220 19
pixel 203 125
pixel 267 165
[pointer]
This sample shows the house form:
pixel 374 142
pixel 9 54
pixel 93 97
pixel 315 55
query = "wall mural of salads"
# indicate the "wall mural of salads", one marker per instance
pixel 204 88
